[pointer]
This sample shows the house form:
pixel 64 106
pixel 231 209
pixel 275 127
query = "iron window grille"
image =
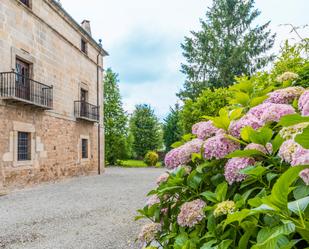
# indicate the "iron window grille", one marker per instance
pixel 84 148
pixel 24 146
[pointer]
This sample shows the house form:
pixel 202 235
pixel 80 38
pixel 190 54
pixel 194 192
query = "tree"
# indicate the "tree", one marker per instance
pixel 115 120
pixel 207 104
pixel 227 46
pixel 172 130
pixel 145 129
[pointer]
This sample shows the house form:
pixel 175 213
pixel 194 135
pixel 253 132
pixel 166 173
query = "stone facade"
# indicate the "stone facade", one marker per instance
pixel 45 36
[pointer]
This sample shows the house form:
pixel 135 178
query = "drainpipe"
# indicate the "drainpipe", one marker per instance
pixel 99 111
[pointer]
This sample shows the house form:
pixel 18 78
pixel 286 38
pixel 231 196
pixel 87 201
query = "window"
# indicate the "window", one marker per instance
pixel 24 146
pixel 84 148
pixel 26 2
pixel 84 46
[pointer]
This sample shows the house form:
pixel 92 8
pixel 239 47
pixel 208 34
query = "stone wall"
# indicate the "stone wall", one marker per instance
pixel 56 147
pixel 49 40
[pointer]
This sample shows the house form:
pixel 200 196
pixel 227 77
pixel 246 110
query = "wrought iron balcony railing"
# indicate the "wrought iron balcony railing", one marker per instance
pixel 86 111
pixel 15 87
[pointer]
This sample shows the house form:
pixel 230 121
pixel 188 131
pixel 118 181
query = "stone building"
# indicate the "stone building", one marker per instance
pixel 51 94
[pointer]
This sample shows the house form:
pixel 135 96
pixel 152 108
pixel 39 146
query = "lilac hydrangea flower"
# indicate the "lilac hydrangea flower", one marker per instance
pixel 154 199
pixel 149 232
pixel 182 154
pixel 233 166
pixel 204 130
pixel 247 120
pixel 285 96
pixel 300 156
pixel 276 111
pixel 219 146
pixel 259 147
pixel 305 110
pixel 287 150
pixel 162 178
pixel 171 159
pixel 191 213
pixel 303 103
pixel 304 174
pixel 259 110
pixel 269 112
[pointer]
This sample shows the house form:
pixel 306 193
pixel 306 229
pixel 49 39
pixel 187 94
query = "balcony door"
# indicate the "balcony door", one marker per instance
pixel 83 104
pixel 22 80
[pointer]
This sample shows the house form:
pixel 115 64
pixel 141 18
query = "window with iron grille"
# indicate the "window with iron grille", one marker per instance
pixel 26 2
pixel 84 148
pixel 24 146
pixel 84 46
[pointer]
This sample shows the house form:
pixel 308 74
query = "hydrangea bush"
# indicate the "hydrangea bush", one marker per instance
pixel 241 182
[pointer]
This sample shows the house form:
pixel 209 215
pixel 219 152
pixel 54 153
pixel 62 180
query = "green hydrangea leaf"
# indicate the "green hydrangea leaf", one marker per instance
pixel 303 139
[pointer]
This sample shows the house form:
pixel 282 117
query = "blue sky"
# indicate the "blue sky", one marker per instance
pixel 143 38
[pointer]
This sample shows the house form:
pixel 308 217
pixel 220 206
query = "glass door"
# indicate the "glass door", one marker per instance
pixel 83 104
pixel 22 80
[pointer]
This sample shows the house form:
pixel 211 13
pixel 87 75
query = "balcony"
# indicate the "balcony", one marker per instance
pixel 15 88
pixel 86 111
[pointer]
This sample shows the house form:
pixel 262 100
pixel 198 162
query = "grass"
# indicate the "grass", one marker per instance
pixel 136 164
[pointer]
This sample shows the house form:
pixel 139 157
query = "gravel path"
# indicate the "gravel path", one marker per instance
pixel 95 212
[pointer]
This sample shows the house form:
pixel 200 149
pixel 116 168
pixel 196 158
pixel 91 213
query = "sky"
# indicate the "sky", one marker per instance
pixel 143 39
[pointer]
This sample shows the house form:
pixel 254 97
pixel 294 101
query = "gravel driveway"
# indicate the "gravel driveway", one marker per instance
pixel 95 212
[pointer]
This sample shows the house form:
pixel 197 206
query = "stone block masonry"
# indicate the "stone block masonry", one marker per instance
pixel 44 36
pixel 56 147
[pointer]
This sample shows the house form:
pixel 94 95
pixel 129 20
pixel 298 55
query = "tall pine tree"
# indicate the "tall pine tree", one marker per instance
pixel 228 45
pixel 172 130
pixel 115 120
pixel 145 130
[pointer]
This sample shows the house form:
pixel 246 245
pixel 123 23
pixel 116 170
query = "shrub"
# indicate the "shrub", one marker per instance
pixel 208 103
pixel 244 191
pixel 151 158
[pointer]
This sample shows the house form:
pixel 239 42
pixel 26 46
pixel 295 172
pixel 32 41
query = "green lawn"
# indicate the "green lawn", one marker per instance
pixel 136 164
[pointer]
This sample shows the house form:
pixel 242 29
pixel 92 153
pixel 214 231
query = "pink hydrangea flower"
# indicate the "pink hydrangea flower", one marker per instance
pixel 247 120
pixel 259 110
pixel 305 110
pixel 191 213
pixel 154 199
pixel 149 232
pixel 287 150
pixel 303 103
pixel 304 174
pixel 233 166
pixel 204 130
pixel 162 178
pixel 284 96
pixel 275 112
pixel 300 156
pixel 259 147
pixel 270 112
pixel 171 159
pixel 219 146
pixel 182 154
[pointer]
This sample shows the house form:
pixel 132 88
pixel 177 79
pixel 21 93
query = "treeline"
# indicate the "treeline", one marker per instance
pixel 127 136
